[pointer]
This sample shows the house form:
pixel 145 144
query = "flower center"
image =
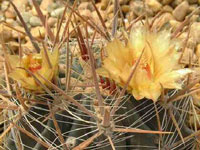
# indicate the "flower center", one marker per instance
pixel 34 63
pixel 146 67
pixel 148 70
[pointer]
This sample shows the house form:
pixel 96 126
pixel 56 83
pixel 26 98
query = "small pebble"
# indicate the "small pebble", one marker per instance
pixel 123 2
pixel 11 21
pixel 2 18
pixel 198 51
pixel 168 8
pixel 194 18
pixel 62 68
pixel 194 8
pixel 104 4
pixel 57 12
pixel 71 142
pixel 174 23
pixel 137 7
pixel 52 21
pixel 192 1
pixel 52 7
pixel 86 13
pixel 10 15
pixel 34 12
pixel 38 32
pixel 4 5
pixel 5 32
pixel 20 4
pixel 125 8
pixel 35 21
pixel 181 11
pixel 16 34
pixel 45 3
pixel 26 17
pixel 176 3
pixel 195 31
pixel 86 5
pixel 84 1
pixel 154 5
pixel 166 2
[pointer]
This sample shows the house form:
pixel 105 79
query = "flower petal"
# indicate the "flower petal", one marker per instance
pixel 14 61
pixel 27 82
pixel 169 80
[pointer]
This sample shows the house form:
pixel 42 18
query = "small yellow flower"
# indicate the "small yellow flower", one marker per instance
pixel 158 65
pixel 34 63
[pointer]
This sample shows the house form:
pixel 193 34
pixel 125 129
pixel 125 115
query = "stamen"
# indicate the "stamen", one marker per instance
pixel 34 63
pixel 148 70
pixel 146 67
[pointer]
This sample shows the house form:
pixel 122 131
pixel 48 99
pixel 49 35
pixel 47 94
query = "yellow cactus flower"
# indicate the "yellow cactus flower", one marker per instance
pixel 34 63
pixel 158 65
